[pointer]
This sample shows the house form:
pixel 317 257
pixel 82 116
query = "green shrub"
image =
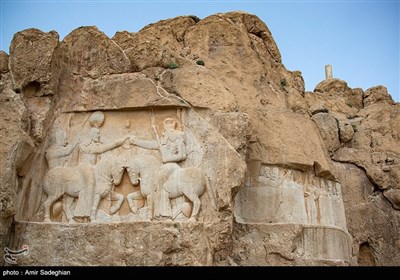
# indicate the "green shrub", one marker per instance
pixel 284 82
pixel 195 18
pixel 200 62
pixel 173 66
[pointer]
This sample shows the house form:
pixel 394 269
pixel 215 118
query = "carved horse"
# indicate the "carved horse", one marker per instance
pixel 189 181
pixel 106 177
pixel 70 181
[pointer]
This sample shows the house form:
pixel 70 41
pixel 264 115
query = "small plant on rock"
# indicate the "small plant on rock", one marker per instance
pixel 200 62
pixel 195 18
pixel 173 65
pixel 284 82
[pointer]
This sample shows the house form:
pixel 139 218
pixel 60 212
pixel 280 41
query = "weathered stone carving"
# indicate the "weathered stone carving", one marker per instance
pixel 170 180
pixel 312 206
pixel 56 154
pixel 144 167
pixel 71 181
pixel 293 197
pixel 88 181
pixel 171 145
pixel 89 149
pixel 158 186
pixel 100 167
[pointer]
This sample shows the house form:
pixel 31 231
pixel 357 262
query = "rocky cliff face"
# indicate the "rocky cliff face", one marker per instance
pixel 190 143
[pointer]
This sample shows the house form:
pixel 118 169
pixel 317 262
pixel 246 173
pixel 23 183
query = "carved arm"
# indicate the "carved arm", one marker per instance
pixel 63 151
pixel 147 144
pixel 106 147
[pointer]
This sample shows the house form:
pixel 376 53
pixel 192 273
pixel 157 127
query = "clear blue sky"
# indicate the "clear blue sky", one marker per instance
pixel 359 38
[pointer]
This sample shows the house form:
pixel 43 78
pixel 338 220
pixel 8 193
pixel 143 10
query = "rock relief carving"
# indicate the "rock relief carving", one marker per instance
pixel 152 166
pixel 162 181
pixel 72 182
pixel 88 181
pixel 292 196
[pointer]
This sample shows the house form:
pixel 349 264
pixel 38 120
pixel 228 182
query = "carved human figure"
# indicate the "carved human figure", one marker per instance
pixel 171 145
pixel 56 154
pixel 311 194
pixel 89 149
pixel 188 181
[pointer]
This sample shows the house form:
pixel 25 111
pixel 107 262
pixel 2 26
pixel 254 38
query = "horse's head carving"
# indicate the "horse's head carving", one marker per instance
pixel 117 170
pixel 133 172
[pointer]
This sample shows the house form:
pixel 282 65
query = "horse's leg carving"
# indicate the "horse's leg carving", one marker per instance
pixel 68 208
pixel 150 206
pixel 196 206
pixel 117 206
pixel 51 198
pixel 96 201
pixel 47 205
pixel 132 206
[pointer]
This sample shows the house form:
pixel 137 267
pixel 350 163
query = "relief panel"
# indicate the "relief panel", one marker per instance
pixel 123 166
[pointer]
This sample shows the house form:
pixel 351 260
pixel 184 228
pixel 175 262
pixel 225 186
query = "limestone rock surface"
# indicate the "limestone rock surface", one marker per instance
pixel 372 242
pixel 4 62
pixel 31 54
pixel 329 130
pixel 378 94
pixel 190 143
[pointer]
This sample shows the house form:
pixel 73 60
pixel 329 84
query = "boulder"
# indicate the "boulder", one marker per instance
pixel 329 130
pixel 3 62
pixel 31 53
pixel 378 94
pixel 346 131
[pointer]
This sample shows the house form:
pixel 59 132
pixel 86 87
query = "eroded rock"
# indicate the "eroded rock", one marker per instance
pixel 329 130
pixel 393 195
pixel 378 94
pixel 346 131
pixel 3 62
pixel 190 143
pixel 317 108
pixel 341 101
pixel 31 54
pixel 372 242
